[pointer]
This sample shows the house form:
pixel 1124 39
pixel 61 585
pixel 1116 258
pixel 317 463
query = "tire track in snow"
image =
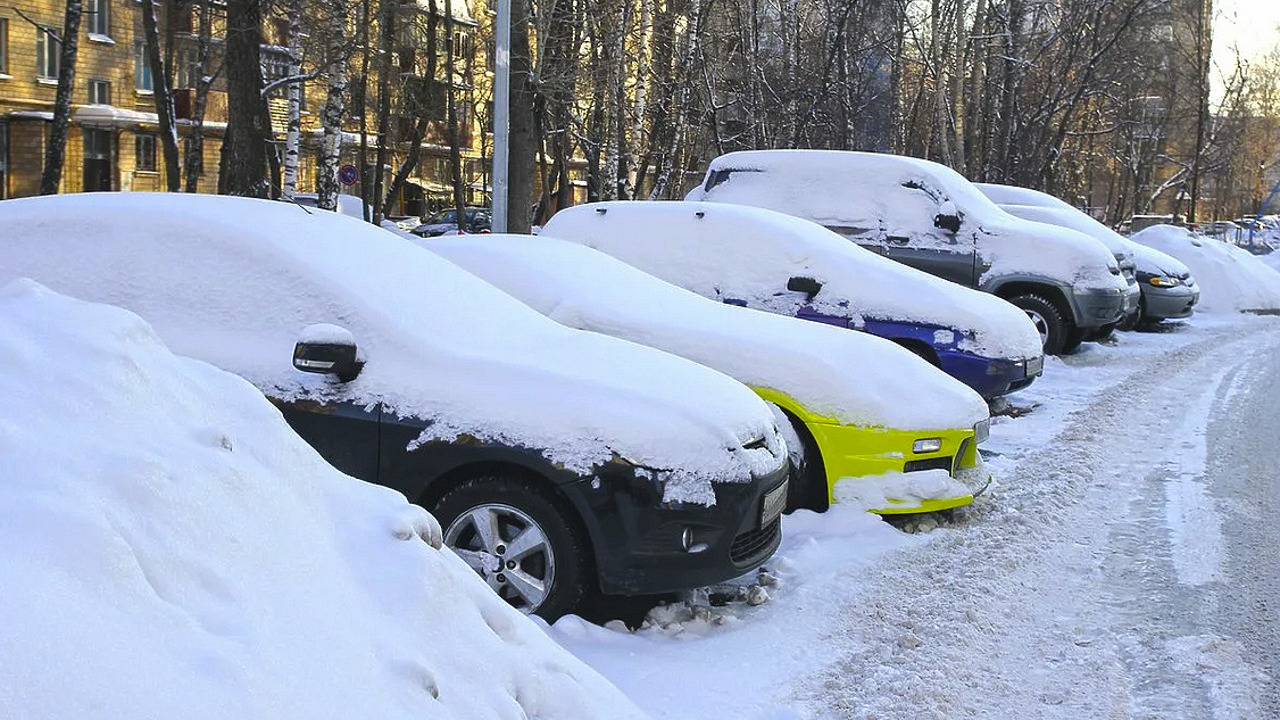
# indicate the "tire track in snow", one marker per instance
pixel 1053 600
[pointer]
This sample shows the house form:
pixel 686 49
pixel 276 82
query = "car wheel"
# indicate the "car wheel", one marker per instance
pixel 808 488
pixel 1048 321
pixel 524 540
pixel 1073 341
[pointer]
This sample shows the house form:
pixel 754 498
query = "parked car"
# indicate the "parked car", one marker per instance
pixel 861 407
pixel 474 220
pixel 929 217
pixel 769 261
pixel 352 205
pixel 1041 207
pixel 1229 278
pixel 556 460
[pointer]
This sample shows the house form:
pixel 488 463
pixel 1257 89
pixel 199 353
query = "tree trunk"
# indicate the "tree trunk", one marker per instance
pixel 523 141
pixel 56 148
pixel 293 134
pixel 334 107
pixel 163 97
pixel 244 169
pixel 451 109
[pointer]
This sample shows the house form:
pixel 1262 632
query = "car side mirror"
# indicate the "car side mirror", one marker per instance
pixel 330 350
pixel 806 285
pixel 950 223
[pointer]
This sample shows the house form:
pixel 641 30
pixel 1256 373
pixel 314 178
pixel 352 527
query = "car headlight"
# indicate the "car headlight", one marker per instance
pixel 1164 281
pixel 982 431
pixel 926 445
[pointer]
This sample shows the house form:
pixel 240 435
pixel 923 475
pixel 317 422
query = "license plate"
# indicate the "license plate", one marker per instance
pixel 1035 366
pixel 775 501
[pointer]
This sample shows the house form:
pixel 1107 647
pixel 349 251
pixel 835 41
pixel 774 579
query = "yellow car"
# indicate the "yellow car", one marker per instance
pixel 904 433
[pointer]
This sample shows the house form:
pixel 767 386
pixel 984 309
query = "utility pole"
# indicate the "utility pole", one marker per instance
pixel 501 113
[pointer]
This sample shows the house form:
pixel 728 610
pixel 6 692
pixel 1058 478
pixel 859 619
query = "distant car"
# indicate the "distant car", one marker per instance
pixel 861 407
pixel 557 461
pixel 766 260
pixel 1041 207
pixel 931 218
pixel 475 220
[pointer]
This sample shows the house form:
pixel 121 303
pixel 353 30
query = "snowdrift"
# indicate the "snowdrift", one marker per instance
pixel 1230 279
pixel 170 549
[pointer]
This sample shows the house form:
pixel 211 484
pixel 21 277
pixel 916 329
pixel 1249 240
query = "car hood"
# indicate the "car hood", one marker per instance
pixel 234 281
pixel 1072 219
pixel 853 378
pixel 1013 246
pixel 1153 262
pixel 736 252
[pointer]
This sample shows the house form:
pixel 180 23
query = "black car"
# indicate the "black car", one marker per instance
pixel 556 461
pixel 475 220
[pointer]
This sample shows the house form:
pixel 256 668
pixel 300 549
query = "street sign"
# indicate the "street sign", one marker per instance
pixel 348 175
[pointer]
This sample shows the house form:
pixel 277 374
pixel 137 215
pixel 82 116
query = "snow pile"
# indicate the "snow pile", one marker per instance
pixel 852 378
pixel 896 488
pixel 872 195
pixel 234 281
pixel 1230 279
pixel 727 252
pixel 171 550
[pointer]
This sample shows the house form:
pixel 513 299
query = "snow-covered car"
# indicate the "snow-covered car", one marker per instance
pixel 556 460
pixel 928 216
pixel 474 220
pixel 861 407
pixel 1044 208
pixel 171 549
pixel 1161 288
pixel 770 261
pixel 352 205
pixel 1230 278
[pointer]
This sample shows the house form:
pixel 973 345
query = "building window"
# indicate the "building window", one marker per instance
pixel 99 92
pixel 99 17
pixel 48 53
pixel 4 46
pixel 188 70
pixel 145 153
pixel 141 68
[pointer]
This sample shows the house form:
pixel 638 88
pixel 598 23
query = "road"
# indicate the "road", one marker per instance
pixel 1125 568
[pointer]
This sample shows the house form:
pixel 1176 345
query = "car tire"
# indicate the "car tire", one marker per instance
pixel 1048 321
pixel 808 483
pixel 1074 340
pixel 549 575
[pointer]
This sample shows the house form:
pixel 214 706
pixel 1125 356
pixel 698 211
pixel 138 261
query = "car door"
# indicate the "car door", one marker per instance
pixel 345 433
pixel 925 230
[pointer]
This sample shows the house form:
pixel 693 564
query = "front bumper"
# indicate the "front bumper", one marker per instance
pixel 849 451
pixel 1168 303
pixel 639 540
pixel 1097 307
pixel 990 377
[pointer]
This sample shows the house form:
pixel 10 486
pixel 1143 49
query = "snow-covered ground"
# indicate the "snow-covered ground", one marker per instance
pixel 1101 577
pixel 170 549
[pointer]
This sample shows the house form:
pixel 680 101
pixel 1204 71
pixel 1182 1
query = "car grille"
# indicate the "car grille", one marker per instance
pixel 753 546
pixel 939 463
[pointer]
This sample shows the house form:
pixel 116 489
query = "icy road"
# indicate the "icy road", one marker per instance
pixel 1125 566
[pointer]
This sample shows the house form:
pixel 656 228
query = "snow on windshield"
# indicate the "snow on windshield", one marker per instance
pixel 170 549
pixel 235 281
pixel 868 197
pixel 1230 279
pixel 850 377
pixel 728 252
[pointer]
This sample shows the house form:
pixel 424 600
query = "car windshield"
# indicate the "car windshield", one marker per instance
pixel 448 216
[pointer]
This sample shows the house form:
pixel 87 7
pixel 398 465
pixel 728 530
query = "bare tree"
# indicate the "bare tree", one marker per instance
pixel 56 145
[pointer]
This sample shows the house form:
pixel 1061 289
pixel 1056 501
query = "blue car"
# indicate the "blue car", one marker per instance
pixel 769 261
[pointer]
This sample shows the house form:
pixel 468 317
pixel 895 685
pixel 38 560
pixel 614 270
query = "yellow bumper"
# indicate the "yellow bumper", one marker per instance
pixel 849 451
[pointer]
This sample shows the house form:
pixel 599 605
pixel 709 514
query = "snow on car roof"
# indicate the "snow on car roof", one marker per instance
pixel 234 281
pixel 869 193
pixel 726 251
pixel 171 549
pixel 1230 279
pixel 1074 220
pixel 851 377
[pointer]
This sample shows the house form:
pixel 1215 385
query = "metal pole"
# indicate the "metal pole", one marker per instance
pixel 1258 213
pixel 501 113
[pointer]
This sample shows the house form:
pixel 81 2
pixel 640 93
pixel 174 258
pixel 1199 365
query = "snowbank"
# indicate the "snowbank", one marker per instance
pixel 170 549
pixel 850 377
pixel 1230 279
pixel 233 281
pixel 878 195
pixel 726 251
